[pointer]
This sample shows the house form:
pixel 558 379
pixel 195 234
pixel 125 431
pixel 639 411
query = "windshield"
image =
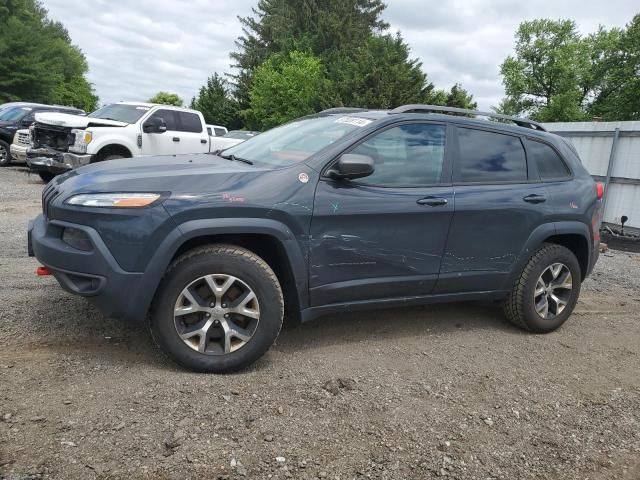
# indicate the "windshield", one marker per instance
pixel 295 141
pixel 121 112
pixel 14 114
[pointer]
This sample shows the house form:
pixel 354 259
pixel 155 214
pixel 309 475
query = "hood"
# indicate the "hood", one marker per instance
pixel 175 173
pixel 74 121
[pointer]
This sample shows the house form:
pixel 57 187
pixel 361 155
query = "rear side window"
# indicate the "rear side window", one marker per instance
pixel 550 165
pixel 489 157
pixel 220 132
pixel 168 117
pixel 405 156
pixel 189 122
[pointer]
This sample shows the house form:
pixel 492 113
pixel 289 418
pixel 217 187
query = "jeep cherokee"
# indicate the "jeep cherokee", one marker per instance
pixel 347 209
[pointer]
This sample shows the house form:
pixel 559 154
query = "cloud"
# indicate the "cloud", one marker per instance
pixel 137 48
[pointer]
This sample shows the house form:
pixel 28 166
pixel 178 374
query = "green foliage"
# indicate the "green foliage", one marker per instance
pixel 285 87
pixel 329 29
pixel 217 104
pixel 39 63
pixel 166 98
pixel 362 65
pixel 559 75
pixel 619 97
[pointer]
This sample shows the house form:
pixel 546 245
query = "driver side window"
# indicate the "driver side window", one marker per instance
pixel 409 155
pixel 169 118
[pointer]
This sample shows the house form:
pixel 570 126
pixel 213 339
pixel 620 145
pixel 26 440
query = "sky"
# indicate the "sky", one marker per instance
pixel 137 47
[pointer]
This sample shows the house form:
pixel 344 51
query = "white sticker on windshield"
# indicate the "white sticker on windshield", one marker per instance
pixel 143 108
pixel 358 122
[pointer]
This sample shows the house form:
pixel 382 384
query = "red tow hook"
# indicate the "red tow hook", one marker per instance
pixel 42 271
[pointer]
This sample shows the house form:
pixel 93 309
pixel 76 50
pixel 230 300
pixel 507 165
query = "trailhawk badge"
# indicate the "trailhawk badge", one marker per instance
pixel 303 177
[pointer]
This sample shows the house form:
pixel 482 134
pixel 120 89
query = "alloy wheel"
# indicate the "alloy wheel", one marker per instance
pixel 553 291
pixel 216 314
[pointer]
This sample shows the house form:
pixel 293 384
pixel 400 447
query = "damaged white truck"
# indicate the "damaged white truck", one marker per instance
pixel 61 142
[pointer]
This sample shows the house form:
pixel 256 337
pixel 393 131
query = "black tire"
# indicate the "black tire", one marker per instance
pixel 218 259
pixel 111 157
pixel 5 154
pixel 46 177
pixel 519 306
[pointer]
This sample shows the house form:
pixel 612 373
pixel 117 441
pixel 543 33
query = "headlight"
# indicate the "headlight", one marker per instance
pixel 82 139
pixel 114 200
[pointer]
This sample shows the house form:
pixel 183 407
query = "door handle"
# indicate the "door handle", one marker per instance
pixel 432 201
pixel 535 198
pixel 176 139
pixel 202 140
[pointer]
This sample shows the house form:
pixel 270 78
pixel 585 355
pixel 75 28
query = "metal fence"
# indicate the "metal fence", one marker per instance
pixel 610 151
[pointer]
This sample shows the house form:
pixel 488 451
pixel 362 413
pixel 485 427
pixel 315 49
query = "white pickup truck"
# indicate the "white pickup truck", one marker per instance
pixel 61 142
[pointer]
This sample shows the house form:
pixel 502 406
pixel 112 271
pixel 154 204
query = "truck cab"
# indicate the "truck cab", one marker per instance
pixel 120 130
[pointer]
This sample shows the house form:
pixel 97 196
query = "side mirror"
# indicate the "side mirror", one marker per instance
pixel 154 125
pixel 27 122
pixel 353 165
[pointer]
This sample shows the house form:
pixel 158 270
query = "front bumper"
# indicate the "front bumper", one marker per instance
pixel 53 161
pixel 94 274
pixel 18 152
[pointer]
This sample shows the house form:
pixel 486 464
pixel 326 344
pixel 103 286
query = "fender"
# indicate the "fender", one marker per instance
pixel 123 137
pixel 139 304
pixel 537 238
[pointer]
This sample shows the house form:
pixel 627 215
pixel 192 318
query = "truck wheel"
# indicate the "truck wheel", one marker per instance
pixel 218 309
pixel 46 176
pixel 5 154
pixel 547 290
pixel 112 157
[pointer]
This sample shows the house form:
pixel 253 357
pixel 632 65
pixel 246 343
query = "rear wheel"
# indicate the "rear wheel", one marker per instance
pixel 5 154
pixel 218 309
pixel 546 292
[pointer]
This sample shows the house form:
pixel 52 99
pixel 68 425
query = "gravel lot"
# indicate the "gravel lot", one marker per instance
pixel 446 391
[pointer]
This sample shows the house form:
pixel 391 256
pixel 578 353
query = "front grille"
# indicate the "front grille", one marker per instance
pixel 48 194
pixel 24 139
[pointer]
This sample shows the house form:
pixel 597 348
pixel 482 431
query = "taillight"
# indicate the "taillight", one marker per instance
pixel 599 190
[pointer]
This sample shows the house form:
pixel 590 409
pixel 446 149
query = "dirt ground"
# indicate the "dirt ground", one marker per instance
pixel 445 391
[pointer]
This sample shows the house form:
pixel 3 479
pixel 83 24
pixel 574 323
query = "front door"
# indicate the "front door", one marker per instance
pixel 162 143
pixel 383 236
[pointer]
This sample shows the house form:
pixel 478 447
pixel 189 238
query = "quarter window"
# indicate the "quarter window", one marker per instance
pixel 405 156
pixel 550 165
pixel 489 157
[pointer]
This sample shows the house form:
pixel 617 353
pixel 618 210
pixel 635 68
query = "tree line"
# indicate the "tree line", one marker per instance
pixel 38 62
pixel 296 57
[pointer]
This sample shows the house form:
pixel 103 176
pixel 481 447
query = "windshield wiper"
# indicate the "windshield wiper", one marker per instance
pixel 231 156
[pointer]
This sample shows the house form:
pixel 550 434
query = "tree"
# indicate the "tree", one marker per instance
pixel 544 76
pixel 39 63
pixel 619 96
pixel 329 29
pixel 458 97
pixel 166 98
pixel 285 87
pixel 217 104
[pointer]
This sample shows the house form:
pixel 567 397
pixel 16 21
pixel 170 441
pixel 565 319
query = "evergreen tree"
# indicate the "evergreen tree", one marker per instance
pixel 217 104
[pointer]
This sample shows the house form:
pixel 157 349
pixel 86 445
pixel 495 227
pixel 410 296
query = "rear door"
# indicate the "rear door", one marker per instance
pixel 192 137
pixel 383 236
pixel 499 202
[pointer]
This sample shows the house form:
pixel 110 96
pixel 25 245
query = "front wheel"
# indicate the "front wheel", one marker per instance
pixel 547 290
pixel 5 154
pixel 46 177
pixel 218 309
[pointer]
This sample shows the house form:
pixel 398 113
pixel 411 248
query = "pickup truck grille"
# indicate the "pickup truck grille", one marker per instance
pixel 48 194
pixel 23 139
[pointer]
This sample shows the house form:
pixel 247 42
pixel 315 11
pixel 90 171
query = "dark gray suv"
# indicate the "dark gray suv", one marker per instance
pixel 348 209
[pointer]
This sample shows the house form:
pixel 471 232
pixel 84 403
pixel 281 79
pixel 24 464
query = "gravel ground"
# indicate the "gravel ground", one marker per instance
pixel 445 391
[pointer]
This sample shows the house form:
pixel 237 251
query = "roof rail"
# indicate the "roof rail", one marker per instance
pixel 418 108
pixel 338 110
